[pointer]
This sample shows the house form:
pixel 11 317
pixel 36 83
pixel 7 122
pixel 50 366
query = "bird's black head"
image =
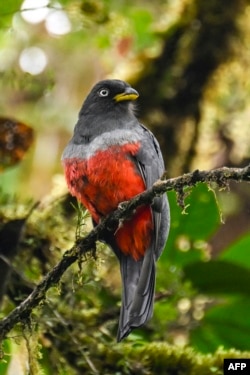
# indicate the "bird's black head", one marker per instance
pixel 108 95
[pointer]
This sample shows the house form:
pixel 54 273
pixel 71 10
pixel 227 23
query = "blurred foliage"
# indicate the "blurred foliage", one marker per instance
pixel 190 60
pixel 200 301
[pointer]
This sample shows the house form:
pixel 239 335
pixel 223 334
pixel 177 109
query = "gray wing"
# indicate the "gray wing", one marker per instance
pixel 151 166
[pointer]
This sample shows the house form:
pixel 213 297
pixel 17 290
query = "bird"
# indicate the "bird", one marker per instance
pixel 111 158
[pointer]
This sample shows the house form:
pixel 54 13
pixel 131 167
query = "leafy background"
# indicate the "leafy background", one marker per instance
pixel 190 62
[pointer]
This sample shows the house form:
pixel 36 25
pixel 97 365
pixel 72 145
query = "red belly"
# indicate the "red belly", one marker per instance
pixel 102 182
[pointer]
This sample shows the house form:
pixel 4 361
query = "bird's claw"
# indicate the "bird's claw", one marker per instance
pixel 120 225
pixel 122 206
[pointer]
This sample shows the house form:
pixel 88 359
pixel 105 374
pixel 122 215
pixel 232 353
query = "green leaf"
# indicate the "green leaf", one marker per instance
pixel 227 325
pixel 218 277
pixel 8 10
pixel 190 230
pixel 5 361
pixel 10 6
pixel 238 252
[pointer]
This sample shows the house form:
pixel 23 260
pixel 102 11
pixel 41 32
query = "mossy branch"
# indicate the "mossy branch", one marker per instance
pixel 220 176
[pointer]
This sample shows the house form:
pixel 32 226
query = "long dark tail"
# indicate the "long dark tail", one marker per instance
pixel 138 282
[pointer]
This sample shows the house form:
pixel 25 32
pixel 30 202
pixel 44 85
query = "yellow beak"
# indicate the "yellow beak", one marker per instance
pixel 128 94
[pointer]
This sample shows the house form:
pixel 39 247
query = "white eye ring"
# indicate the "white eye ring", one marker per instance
pixel 103 92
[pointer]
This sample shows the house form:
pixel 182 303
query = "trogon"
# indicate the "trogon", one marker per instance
pixel 110 159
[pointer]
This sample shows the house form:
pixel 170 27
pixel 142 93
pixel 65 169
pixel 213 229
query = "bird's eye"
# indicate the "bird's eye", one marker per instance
pixel 103 92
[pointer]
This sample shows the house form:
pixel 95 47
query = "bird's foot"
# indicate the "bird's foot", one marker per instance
pixel 120 225
pixel 123 205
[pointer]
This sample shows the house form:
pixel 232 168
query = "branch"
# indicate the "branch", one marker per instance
pixel 220 176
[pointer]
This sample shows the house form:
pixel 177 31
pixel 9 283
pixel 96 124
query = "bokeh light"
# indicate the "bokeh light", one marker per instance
pixel 33 60
pixel 57 22
pixel 35 11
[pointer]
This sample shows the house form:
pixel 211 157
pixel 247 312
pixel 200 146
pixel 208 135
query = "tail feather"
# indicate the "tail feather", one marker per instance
pixel 138 279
